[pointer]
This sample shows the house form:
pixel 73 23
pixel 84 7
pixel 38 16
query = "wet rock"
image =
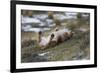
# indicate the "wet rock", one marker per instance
pixel 70 15
pixel 49 21
pixel 44 54
pixel 60 17
pixel 30 20
pixel 41 17
pixel 26 27
pixel 35 29
pixel 36 58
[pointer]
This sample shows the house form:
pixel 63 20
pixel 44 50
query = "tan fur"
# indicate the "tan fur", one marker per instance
pixel 56 37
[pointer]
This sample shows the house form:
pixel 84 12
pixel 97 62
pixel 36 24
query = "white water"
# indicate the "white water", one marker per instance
pixel 41 20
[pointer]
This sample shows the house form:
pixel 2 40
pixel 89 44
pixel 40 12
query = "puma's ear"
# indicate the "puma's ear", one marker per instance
pixel 51 37
pixel 39 36
pixel 56 29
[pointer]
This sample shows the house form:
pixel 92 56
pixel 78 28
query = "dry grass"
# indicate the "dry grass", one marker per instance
pixel 76 48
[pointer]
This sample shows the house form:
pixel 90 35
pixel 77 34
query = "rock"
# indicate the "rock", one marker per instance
pixel 35 29
pixel 70 15
pixel 78 56
pixel 36 58
pixel 25 28
pixel 26 20
pixel 49 21
pixel 41 17
pixel 43 54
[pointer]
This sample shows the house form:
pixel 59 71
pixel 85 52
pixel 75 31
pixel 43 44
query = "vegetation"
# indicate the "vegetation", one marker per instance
pixel 76 48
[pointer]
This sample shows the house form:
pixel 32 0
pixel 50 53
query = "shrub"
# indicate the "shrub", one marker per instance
pixel 50 15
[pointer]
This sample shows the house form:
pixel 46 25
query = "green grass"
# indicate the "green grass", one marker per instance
pixel 76 48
